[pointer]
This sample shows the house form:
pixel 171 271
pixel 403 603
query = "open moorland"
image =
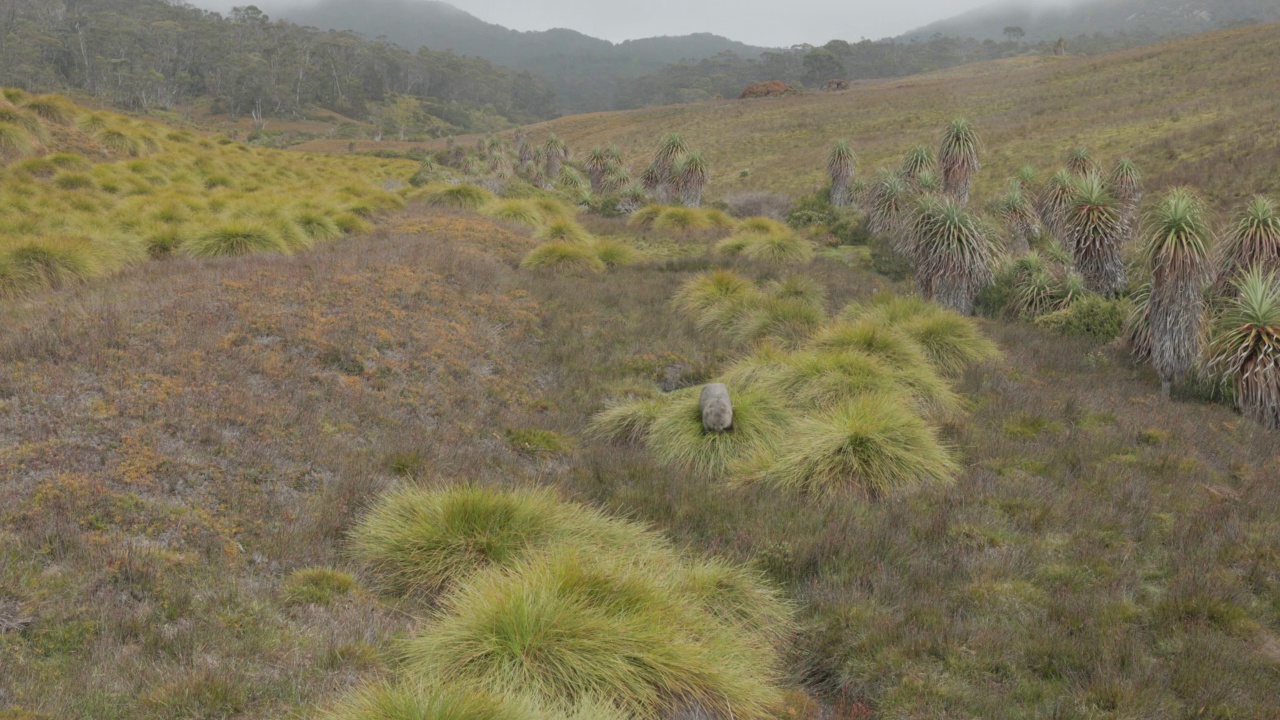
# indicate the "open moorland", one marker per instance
pixel 308 435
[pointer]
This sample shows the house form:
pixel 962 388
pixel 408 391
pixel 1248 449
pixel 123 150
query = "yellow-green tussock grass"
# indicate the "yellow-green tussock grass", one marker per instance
pixel 461 197
pixel 51 109
pixel 779 248
pixel 758 367
pixel 874 338
pixel 317 225
pixel 15 142
pixel 551 207
pixel 762 226
pixel 952 341
pixel 710 289
pixel 48 263
pixel 316 586
pixel 162 240
pixel 236 237
pixel 677 437
pixel 734 245
pixel 563 230
pixel 69 161
pixel 645 216
pixel 24 120
pixel 351 224
pixel 418 700
pixel 873 446
pixel 718 219
pixel 798 287
pixel 615 254
pixel 419 541
pixel 562 256
pixel 521 212
pixel 569 626
pixel 789 321
pixel 74 181
pixel 826 380
pixel 740 596
pixel 118 142
pixel 627 421
pixel 681 220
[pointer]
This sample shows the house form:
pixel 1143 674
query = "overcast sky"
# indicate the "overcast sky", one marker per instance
pixel 771 23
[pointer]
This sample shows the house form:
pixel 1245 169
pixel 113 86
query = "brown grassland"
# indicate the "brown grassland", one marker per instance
pixel 181 440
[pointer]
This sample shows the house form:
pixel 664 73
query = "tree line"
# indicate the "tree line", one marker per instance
pixel 149 54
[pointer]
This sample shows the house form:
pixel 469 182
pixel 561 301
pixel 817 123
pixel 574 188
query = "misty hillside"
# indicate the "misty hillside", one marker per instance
pixel 1140 18
pixel 582 71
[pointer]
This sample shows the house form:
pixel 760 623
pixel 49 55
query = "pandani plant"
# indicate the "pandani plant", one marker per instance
pixel 1177 251
pixel 1246 347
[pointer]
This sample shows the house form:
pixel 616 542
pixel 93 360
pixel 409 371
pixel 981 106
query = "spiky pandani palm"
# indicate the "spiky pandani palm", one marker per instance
pixel 596 164
pixel 1027 176
pixel 670 150
pixel 918 160
pixel 616 177
pixel 952 254
pixel 958 158
pixel 1246 347
pixel 1096 224
pixel 888 204
pixel 556 152
pixel 1019 218
pixel 1177 250
pixel 841 164
pixel 1080 162
pixel 1052 203
pixel 1253 241
pixel 500 165
pixel 655 182
pixel 1126 182
pixel 692 178
pixel 1137 329
pixel 631 198
pixel 523 150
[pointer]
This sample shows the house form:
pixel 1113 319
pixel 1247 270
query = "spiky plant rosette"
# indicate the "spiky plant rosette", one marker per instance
pixel 841 163
pixel 1080 162
pixel 888 200
pixel 958 158
pixel 1252 242
pixel 1097 225
pixel 1246 347
pixel 596 164
pixel 952 255
pixel 875 445
pixel 677 437
pixel 692 177
pixel 555 152
pixel 1177 251
pixel 1126 181
pixel 918 160
pixel 1019 217
pixel 1053 202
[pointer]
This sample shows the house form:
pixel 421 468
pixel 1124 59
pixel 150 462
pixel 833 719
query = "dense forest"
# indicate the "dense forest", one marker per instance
pixel 726 74
pixel 147 54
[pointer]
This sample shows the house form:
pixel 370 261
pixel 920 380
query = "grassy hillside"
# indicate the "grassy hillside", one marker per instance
pixel 1198 110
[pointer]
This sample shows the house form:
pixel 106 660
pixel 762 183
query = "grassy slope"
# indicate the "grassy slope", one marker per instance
pixel 1199 110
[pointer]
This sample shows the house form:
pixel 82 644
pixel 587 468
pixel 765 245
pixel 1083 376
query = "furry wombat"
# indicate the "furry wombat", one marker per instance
pixel 717 409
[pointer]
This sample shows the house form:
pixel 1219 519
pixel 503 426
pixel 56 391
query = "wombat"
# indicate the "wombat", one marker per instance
pixel 717 409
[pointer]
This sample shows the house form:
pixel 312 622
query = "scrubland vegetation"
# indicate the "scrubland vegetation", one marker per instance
pixel 456 467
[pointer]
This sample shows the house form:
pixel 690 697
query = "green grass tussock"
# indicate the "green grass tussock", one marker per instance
pixel 569 626
pixel 563 230
pixel 562 256
pixel 236 237
pixel 458 197
pixel 779 248
pixel 873 446
pixel 521 212
pixel 788 320
pixel 418 701
pixel 615 254
pixel 677 437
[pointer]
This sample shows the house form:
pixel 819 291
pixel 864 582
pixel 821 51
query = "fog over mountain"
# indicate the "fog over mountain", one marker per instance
pixel 756 22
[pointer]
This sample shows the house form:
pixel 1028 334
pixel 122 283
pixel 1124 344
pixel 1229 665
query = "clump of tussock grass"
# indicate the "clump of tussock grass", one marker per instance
pixel 51 109
pixel 952 342
pixel 461 197
pixel 351 224
pixel 317 225
pixel 677 437
pixel 410 700
pixel 779 248
pixel 646 216
pixel 710 290
pixel 552 208
pixel 615 254
pixel 562 256
pixel 798 287
pixel 73 181
pixel 563 230
pixel 569 626
pixel 236 237
pixel 118 142
pixel 826 380
pixel 46 263
pixel 761 226
pixel 872 446
pixel 874 338
pixel 15 142
pixel 788 320
pixel 420 541
pixel 628 421
pixel 69 161
pixel 681 220
pixel 732 246
pixel 522 212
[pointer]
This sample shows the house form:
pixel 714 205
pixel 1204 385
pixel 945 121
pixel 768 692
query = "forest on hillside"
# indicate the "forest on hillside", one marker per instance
pixel 726 74
pixel 149 54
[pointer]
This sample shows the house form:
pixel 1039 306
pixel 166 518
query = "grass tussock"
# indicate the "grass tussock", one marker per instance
pixel 563 256
pixel 235 238
pixel 458 197
pixel 677 437
pixel 563 230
